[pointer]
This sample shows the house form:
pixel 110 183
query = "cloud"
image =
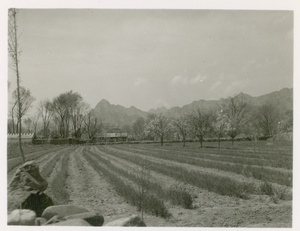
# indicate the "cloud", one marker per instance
pixel 227 85
pixel 179 80
pixel 139 81
pixel 188 80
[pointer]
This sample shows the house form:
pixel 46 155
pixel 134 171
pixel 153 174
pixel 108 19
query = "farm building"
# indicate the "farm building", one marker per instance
pixel 113 135
pixel 25 138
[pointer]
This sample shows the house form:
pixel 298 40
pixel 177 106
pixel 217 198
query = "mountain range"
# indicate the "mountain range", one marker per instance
pixel 118 116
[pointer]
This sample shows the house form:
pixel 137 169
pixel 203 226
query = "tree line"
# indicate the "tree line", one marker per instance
pixel 67 115
pixel 64 116
pixel 235 116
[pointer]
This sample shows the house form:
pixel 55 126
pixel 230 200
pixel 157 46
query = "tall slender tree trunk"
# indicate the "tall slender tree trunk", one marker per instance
pixel 13 124
pixel 13 119
pixel 16 59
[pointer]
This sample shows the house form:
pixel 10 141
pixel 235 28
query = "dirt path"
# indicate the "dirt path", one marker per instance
pixel 91 190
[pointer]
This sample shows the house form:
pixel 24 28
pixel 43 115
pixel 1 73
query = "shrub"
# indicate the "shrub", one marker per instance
pixel 180 197
pixel 267 188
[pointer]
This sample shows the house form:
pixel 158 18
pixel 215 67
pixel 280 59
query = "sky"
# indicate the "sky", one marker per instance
pixel 153 58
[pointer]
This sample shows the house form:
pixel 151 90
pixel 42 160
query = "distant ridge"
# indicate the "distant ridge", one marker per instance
pixel 118 116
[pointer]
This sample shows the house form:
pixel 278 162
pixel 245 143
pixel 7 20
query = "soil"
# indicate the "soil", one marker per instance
pixel 91 190
pixel 210 209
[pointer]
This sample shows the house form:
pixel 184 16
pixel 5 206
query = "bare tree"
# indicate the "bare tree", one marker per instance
pixel 220 125
pixel 236 109
pixel 268 117
pixel 139 128
pixel 79 112
pixel 92 126
pixel 181 125
pixel 26 99
pixel 28 123
pixel 200 123
pixel 63 105
pixel 158 125
pixel 35 120
pixel 14 53
pixel 12 116
pixel 45 109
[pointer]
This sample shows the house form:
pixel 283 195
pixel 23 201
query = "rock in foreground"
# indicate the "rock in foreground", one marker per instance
pixel 62 211
pixel 21 217
pixel 73 222
pixel 26 189
pixel 92 218
pixel 132 221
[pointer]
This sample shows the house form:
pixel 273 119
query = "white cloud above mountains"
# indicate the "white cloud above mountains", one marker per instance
pixel 188 80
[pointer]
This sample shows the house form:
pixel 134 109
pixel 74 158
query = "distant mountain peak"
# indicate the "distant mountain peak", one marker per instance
pixel 161 109
pixel 102 101
pixel 118 115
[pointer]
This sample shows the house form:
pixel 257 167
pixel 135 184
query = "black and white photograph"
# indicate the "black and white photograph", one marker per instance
pixel 163 116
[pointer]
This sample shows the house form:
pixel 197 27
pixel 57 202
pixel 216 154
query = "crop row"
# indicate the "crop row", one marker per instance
pixel 150 203
pixel 253 151
pixel 219 184
pixel 260 173
pixel 14 162
pixel 48 169
pixel 14 151
pixel 261 147
pixel 60 194
pixel 176 196
pixel 236 156
pixel 241 153
pixel 277 163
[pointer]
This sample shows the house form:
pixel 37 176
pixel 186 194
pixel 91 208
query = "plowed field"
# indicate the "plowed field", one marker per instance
pixel 249 185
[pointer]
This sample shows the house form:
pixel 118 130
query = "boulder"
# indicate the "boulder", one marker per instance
pixel 54 219
pixel 62 211
pixel 26 181
pixel 40 221
pixel 73 222
pixel 21 217
pixel 132 221
pixel 92 218
pixel 29 178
